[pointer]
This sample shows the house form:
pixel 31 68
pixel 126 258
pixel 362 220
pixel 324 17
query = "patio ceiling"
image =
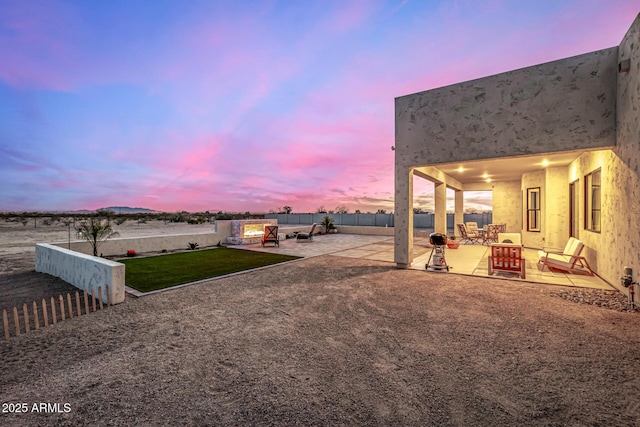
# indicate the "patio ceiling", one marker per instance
pixel 505 168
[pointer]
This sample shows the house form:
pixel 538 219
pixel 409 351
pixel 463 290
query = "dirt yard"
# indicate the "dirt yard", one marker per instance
pixel 331 340
pixel 19 283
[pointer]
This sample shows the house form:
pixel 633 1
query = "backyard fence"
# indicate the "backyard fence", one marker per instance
pixel 62 307
pixel 422 221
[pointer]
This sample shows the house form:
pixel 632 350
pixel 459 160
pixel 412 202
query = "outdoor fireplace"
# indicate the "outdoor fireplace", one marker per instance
pixel 247 231
pixel 252 230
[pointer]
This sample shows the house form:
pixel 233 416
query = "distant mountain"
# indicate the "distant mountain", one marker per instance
pixel 127 210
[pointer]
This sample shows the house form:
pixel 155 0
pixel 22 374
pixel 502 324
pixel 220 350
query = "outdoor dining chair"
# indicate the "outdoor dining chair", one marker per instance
pixel 271 235
pixel 468 236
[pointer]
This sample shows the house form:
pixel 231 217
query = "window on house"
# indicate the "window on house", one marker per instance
pixel 592 202
pixel 533 209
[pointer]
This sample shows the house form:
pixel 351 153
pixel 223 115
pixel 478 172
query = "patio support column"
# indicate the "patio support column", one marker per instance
pixel 458 217
pixel 440 198
pixel 403 220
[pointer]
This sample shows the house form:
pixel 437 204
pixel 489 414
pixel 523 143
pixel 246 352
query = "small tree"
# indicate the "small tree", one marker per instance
pixel 327 223
pixel 95 231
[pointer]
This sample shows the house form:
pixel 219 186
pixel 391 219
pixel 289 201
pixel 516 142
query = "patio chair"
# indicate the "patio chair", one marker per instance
pixel 507 257
pixel 567 261
pixel 510 238
pixel 491 235
pixel 467 236
pixel 472 227
pixel 271 235
pixel 306 236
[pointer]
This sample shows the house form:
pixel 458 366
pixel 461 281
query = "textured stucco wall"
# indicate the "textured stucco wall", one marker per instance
pixel 625 183
pixel 557 106
pixel 533 239
pixel 556 201
pixel 85 272
pixel 507 205
pixel 599 247
pixel 581 102
pixel 618 245
pixel 403 217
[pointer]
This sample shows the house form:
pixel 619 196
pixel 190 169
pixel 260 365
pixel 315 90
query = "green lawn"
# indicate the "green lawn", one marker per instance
pixel 163 271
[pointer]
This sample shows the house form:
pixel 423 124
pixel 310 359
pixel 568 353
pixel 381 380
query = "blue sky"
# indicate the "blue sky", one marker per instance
pixel 247 105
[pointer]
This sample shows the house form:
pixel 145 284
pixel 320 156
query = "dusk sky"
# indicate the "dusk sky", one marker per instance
pixel 247 105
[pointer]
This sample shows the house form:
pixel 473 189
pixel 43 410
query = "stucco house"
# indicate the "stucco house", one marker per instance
pixel 558 144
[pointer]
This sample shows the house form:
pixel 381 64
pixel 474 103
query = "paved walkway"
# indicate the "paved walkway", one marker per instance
pixel 467 259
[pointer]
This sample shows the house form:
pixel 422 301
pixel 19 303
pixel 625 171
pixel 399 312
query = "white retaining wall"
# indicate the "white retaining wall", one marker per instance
pixel 85 272
pixel 119 247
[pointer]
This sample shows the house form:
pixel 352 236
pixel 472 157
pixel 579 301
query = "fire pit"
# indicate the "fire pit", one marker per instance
pixel 248 231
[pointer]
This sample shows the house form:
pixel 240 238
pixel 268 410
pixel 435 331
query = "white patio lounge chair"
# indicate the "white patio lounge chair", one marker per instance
pixel 568 261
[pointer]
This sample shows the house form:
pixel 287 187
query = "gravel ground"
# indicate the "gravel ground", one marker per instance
pixel 335 341
pixel 325 340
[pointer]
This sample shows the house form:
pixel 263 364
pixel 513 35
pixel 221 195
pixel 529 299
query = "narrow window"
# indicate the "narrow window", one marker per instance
pixel 533 209
pixel 592 202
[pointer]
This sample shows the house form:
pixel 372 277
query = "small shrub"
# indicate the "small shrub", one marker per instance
pixel 131 253
pixel 193 246
pixel 164 251
pixel 327 223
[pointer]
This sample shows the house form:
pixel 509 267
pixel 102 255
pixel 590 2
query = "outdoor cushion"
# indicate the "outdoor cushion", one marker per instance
pixel 563 261
pixel 472 227
pixel 569 257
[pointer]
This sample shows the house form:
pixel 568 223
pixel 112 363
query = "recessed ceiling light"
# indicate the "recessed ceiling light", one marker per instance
pixel 488 179
pixel 485 175
pixel 545 163
pixel 460 169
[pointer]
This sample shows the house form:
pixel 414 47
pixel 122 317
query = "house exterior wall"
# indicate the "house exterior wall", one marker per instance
pixel 507 209
pixel 557 106
pixel 618 244
pixel 598 245
pixel 533 239
pixel 624 200
pixel 403 220
pixel 579 103
pixel 556 213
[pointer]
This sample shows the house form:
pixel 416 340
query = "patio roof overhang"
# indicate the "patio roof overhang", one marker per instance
pixel 462 175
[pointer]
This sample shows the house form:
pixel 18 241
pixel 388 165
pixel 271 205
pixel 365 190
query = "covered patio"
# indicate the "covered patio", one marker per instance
pixel 557 144
pixel 468 260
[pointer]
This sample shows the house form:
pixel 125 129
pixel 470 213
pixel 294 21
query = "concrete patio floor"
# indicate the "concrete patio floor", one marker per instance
pixel 467 259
